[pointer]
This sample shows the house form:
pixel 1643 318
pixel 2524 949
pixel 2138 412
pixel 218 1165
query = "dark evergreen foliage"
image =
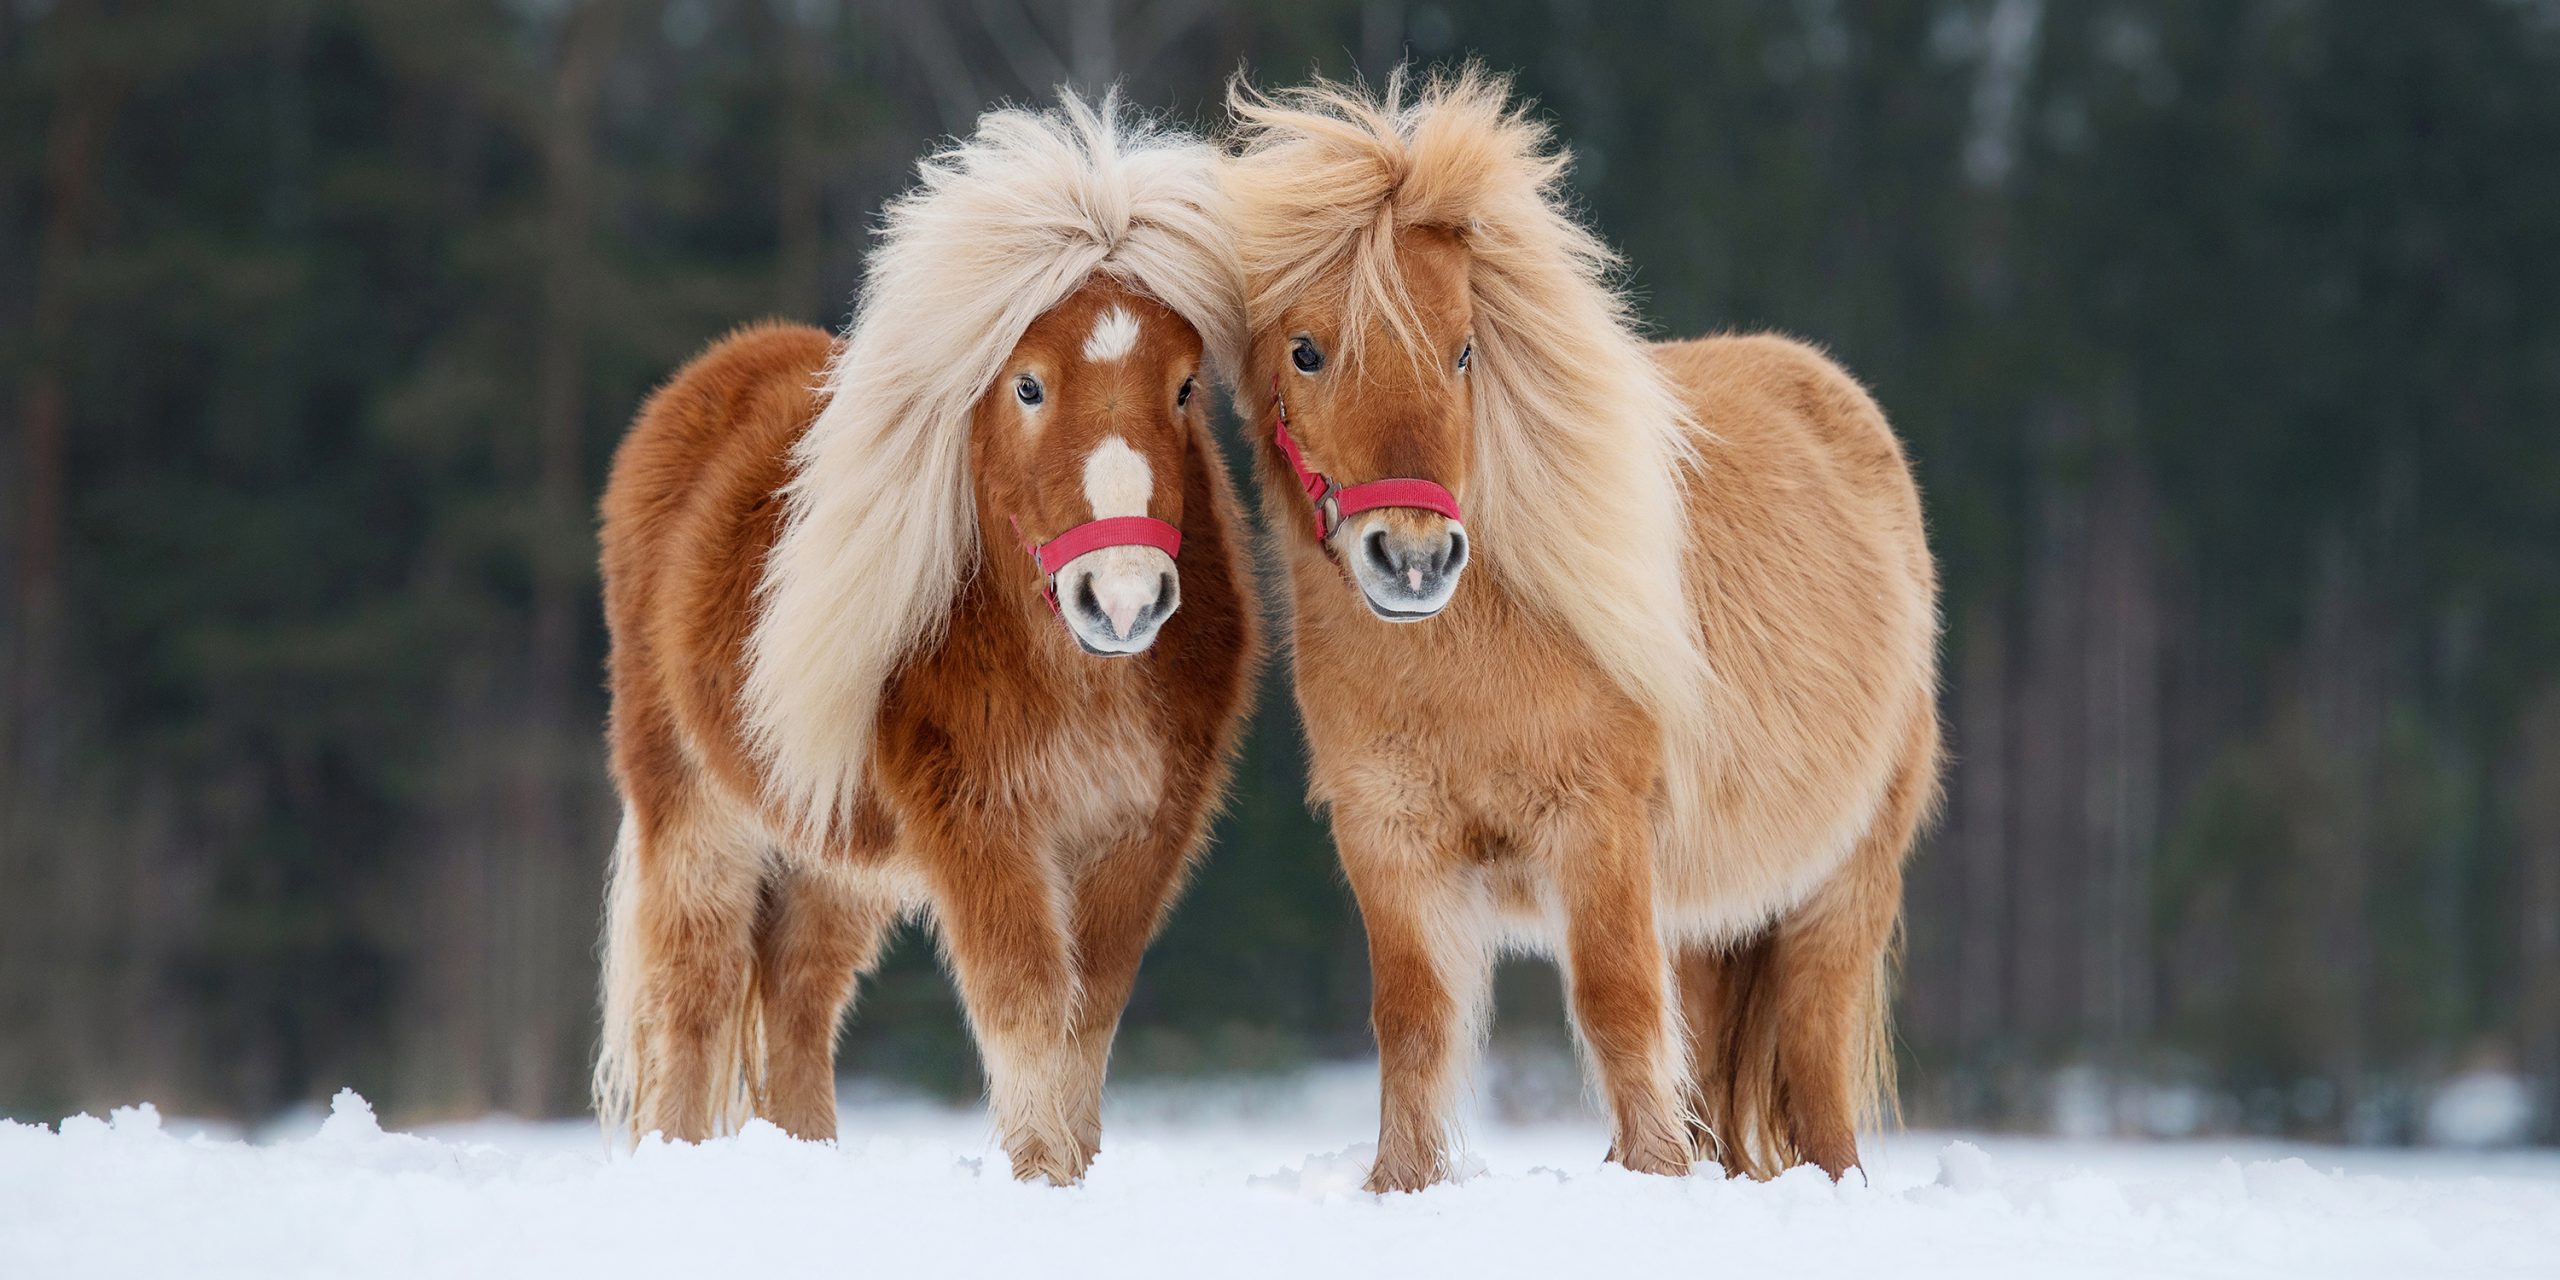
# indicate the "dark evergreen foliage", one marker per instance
pixel 2223 333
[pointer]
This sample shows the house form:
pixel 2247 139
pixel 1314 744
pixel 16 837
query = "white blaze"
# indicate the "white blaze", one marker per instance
pixel 1118 482
pixel 1115 334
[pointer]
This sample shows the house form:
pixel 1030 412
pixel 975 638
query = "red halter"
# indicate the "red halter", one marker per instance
pixel 1336 503
pixel 1094 535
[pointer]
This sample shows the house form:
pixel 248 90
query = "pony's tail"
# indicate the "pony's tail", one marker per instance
pixel 624 1075
pixel 1738 1067
pixel 1742 1089
pixel 616 1085
pixel 1876 1086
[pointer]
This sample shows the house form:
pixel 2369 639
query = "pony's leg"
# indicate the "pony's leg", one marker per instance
pixel 1000 916
pixel 815 938
pixel 1829 967
pixel 1430 924
pixel 1619 987
pixel 1119 903
pixel 682 940
pixel 1705 986
pixel 1831 964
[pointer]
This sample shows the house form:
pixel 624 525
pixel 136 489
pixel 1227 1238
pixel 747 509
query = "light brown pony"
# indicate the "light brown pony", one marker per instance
pixel 838 693
pixel 1677 728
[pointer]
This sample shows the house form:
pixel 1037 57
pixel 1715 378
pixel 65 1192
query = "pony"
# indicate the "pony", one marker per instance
pixel 1679 727
pixel 949 618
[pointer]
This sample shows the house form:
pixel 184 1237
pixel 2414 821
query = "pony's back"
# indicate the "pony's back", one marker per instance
pixel 688 519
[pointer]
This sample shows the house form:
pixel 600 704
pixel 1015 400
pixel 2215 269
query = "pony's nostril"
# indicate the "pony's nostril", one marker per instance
pixel 1375 545
pixel 1090 603
pixel 1163 607
pixel 1456 553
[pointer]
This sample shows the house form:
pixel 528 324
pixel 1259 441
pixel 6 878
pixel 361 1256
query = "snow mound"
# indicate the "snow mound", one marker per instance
pixel 1193 1191
pixel 2481 1109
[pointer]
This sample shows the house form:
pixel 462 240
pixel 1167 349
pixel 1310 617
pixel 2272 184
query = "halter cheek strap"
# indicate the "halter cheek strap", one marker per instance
pixel 1336 503
pixel 1095 535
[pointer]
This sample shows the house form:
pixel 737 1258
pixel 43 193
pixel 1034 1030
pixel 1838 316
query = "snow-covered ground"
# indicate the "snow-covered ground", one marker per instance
pixel 1220 1181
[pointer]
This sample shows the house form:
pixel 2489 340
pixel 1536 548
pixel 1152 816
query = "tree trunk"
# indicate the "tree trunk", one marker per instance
pixel 1093 50
pixel 2051 851
pixel 2538 905
pixel 1381 37
pixel 2345 696
pixel 1982 803
pixel 84 112
pixel 2120 787
pixel 541 997
pixel 48 996
pixel 798 193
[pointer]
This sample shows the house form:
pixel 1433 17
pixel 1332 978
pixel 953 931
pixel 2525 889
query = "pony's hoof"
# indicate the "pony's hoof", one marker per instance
pixel 1048 1175
pixel 1664 1159
pixel 1057 1164
pixel 1385 1177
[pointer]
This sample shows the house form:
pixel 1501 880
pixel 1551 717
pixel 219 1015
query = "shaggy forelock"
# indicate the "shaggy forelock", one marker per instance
pixel 1328 174
pixel 881 527
pixel 1582 451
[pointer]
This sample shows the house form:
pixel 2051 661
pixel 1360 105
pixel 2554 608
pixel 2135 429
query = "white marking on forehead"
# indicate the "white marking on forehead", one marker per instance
pixel 1117 480
pixel 1114 335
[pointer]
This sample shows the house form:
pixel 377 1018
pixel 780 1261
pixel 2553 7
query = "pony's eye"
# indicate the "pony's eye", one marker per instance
pixel 1027 389
pixel 1182 398
pixel 1466 356
pixel 1303 354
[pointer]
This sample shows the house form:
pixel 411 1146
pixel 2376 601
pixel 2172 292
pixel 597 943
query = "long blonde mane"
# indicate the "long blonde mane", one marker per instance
pixel 881 523
pixel 1582 450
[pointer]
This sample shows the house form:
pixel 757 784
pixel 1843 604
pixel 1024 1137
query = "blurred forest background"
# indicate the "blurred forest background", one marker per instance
pixel 2224 333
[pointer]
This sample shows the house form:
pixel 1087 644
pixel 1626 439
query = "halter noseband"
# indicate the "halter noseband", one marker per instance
pixel 1095 535
pixel 1335 503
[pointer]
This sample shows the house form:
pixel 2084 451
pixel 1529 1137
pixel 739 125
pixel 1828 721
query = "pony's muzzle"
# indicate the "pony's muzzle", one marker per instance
pixel 1116 600
pixel 1406 562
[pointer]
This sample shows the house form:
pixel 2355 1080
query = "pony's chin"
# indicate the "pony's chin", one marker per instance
pixel 1403 610
pixel 1093 650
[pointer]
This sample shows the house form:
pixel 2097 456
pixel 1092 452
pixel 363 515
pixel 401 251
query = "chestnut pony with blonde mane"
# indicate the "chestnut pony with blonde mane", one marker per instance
pixel 1679 726
pixel 844 687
